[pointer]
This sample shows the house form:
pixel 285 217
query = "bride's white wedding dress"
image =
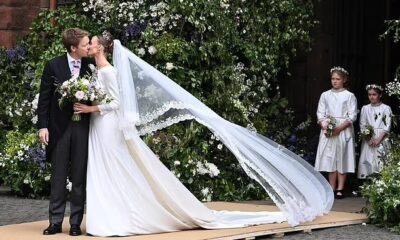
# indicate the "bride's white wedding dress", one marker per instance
pixel 130 191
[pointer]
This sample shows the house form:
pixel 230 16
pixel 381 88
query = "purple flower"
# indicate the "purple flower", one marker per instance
pixel 310 158
pixel 292 139
pixel 14 54
pixel 37 155
pixel 134 30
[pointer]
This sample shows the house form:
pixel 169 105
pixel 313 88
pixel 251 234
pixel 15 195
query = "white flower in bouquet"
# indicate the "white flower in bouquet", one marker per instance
pixel 330 124
pixel 80 95
pixel 367 132
pixel 81 89
pixel 85 82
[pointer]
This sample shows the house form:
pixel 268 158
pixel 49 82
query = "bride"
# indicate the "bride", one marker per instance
pixel 129 191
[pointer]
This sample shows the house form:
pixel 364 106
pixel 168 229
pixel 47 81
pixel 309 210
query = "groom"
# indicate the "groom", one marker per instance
pixel 66 140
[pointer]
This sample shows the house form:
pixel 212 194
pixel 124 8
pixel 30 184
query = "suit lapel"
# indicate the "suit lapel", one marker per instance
pixel 84 67
pixel 65 71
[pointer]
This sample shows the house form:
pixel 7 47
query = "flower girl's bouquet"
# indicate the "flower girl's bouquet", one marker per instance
pixel 83 90
pixel 330 124
pixel 367 132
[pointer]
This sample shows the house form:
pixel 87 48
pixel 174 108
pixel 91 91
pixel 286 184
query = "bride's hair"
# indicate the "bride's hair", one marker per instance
pixel 106 40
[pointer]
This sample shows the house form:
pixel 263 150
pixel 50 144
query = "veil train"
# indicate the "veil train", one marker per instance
pixel 151 101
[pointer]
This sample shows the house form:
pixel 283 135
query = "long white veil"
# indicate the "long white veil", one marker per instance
pixel 151 101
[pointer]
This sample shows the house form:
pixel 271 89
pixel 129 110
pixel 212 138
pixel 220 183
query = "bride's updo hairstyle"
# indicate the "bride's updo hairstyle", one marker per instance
pixel 106 40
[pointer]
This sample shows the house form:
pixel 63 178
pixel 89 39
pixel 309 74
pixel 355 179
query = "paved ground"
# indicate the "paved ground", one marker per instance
pixel 19 210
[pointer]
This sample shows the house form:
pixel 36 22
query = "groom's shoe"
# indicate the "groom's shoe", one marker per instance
pixel 52 229
pixel 75 230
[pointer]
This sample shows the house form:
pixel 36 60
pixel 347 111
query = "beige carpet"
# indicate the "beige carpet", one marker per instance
pixel 33 230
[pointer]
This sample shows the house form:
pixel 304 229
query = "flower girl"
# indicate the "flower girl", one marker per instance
pixel 375 122
pixel 337 110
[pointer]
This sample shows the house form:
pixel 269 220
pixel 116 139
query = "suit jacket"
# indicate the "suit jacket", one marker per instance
pixel 50 115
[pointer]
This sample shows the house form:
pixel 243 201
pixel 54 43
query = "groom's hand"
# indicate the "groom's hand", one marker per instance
pixel 44 136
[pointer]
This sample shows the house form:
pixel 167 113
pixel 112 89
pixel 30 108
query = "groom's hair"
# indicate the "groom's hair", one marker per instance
pixel 72 37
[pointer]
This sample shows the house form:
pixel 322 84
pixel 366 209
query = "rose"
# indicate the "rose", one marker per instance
pixel 85 82
pixel 79 95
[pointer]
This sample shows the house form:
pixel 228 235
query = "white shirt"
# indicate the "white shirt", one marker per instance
pixel 71 62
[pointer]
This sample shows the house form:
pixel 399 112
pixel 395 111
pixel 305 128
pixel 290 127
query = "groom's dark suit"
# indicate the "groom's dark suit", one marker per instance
pixel 68 141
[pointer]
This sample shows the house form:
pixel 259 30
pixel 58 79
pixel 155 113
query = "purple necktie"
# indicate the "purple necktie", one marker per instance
pixel 75 68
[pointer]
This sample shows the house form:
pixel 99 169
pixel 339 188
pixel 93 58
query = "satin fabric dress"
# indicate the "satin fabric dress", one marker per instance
pixel 337 153
pixel 130 191
pixel 379 117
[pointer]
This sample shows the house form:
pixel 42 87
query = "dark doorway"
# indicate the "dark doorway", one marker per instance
pixel 347 35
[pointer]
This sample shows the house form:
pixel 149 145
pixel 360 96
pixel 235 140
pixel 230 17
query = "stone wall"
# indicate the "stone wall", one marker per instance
pixel 16 18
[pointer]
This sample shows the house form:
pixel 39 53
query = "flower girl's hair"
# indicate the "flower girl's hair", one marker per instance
pixel 342 72
pixel 377 88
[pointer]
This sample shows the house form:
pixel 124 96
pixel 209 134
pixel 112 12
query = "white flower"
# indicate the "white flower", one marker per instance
pixel 201 169
pixel 213 170
pixel 176 163
pixel 169 66
pixel 92 67
pixel 85 82
pixel 20 153
pixel 65 84
pixel 219 146
pixel 92 97
pixel 26 181
pixel 205 191
pixel 69 185
pixel 156 140
pixel 79 95
pixel 152 50
pixel 47 178
pixel 141 51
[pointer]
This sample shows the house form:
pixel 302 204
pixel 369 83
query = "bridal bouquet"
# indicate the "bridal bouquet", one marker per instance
pixel 330 123
pixel 83 90
pixel 367 132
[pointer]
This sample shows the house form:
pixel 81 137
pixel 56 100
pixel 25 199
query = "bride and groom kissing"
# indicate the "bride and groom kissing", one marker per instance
pixel 127 189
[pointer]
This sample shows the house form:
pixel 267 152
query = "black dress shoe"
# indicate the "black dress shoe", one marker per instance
pixel 52 229
pixel 75 230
